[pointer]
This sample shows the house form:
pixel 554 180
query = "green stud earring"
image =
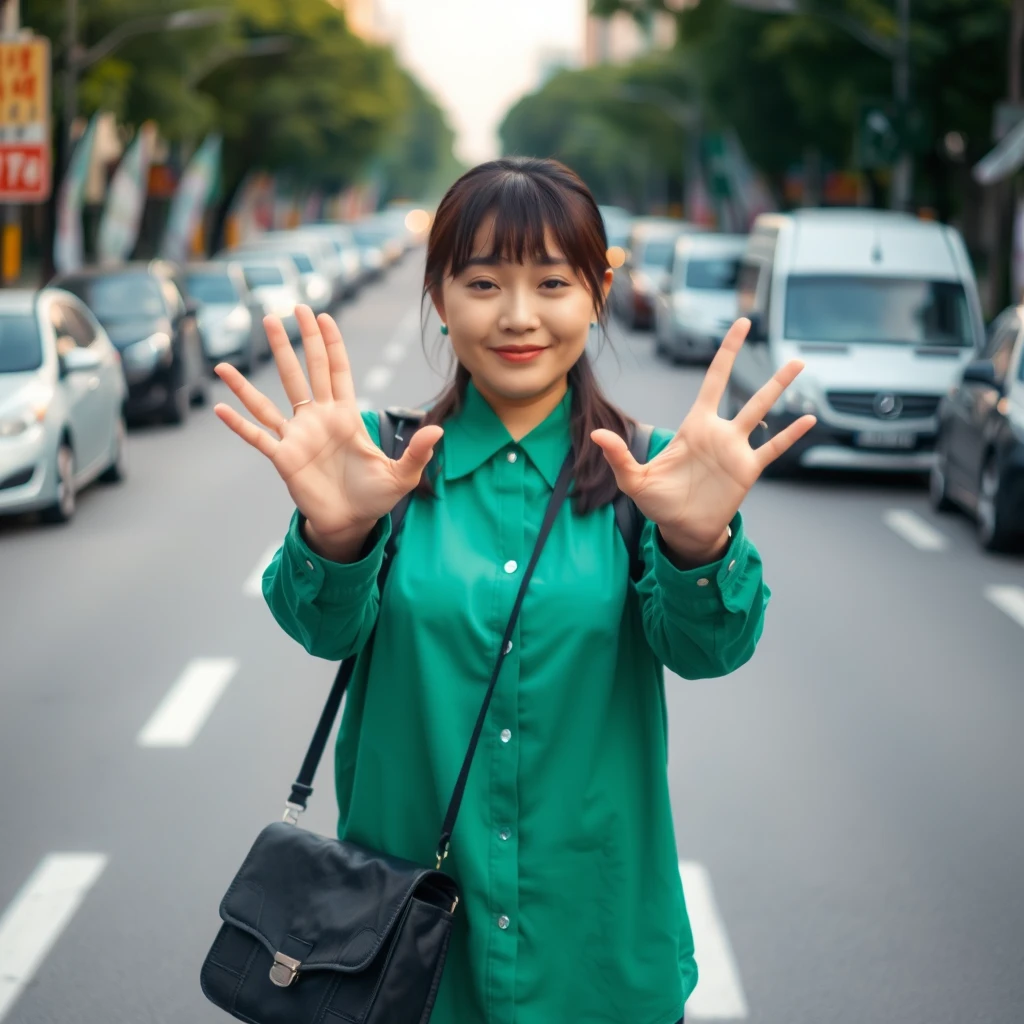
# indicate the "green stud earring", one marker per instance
pixel 444 329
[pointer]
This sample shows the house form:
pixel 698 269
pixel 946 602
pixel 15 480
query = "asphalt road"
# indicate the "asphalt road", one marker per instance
pixel 848 805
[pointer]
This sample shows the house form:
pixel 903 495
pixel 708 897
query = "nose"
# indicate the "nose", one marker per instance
pixel 518 315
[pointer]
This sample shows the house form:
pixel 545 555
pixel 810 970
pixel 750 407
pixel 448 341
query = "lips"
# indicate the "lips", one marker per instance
pixel 519 353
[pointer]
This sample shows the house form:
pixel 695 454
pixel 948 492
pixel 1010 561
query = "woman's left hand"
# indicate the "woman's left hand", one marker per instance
pixel 695 486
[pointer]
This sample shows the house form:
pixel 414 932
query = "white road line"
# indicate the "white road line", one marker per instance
pixel 378 378
pixel 1008 599
pixel 188 703
pixel 719 994
pixel 40 911
pixel 394 353
pixel 914 530
pixel 253 586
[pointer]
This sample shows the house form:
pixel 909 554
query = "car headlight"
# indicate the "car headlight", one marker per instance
pixel 239 319
pixel 641 282
pixel 282 310
pixel 155 348
pixel 28 414
pixel 797 399
pixel 317 287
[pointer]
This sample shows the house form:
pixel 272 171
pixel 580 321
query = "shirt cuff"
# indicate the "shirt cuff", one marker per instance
pixel 708 586
pixel 333 582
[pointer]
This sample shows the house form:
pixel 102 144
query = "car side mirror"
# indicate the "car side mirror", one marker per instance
pixel 981 371
pixel 79 360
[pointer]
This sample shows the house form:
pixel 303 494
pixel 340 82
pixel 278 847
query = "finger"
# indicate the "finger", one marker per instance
pixel 342 386
pixel 409 468
pixel 717 378
pixel 289 369
pixel 761 403
pixel 316 355
pixel 255 401
pixel 626 469
pixel 247 430
pixel 783 441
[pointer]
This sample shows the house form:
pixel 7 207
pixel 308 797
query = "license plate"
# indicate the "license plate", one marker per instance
pixel 884 439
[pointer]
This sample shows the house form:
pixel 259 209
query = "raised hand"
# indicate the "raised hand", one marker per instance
pixel 338 478
pixel 695 486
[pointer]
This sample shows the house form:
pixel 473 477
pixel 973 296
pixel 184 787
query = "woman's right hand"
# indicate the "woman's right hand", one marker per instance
pixel 338 478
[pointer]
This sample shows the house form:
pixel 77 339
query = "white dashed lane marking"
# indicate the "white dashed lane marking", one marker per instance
pixel 719 994
pixel 37 916
pixel 181 714
pixel 253 586
pixel 1008 599
pixel 914 530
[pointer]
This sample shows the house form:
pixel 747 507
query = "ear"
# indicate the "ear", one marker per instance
pixel 437 298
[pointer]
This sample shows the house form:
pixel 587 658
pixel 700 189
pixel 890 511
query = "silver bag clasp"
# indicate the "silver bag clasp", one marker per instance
pixel 285 970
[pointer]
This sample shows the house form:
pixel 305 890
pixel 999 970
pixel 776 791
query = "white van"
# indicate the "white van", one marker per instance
pixel 881 307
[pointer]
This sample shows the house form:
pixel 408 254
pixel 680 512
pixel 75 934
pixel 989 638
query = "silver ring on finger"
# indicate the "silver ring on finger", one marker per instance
pixel 305 401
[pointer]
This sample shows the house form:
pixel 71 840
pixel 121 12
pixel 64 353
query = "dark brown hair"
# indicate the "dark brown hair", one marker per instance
pixel 526 196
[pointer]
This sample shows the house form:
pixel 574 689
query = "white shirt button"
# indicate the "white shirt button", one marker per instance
pixel 506 735
pixel 503 922
pixel 504 835
pixel 508 647
pixel 732 565
pixel 703 581
pixel 309 564
pixel 511 565
pixel 511 456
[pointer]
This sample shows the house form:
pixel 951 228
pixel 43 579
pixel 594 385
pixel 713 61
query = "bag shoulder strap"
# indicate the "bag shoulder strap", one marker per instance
pixel 397 425
pixel 627 515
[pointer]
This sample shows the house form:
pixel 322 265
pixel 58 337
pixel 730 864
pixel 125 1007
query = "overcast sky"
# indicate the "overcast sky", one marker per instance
pixel 479 56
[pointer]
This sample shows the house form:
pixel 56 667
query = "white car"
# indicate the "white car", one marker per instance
pixel 883 310
pixel 62 394
pixel 697 304
pixel 274 280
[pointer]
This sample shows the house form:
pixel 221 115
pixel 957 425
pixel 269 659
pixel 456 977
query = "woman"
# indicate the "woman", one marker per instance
pixel 564 849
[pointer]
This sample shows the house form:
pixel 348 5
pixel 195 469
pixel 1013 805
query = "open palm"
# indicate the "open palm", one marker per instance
pixel 695 486
pixel 338 478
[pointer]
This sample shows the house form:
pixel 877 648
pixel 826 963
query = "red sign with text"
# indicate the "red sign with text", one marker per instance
pixel 25 159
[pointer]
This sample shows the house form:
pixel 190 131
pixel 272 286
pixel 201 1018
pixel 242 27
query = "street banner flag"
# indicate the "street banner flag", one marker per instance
pixel 126 199
pixel 67 245
pixel 195 190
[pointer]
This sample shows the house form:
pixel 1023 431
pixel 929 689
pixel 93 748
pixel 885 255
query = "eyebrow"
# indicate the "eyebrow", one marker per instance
pixel 493 261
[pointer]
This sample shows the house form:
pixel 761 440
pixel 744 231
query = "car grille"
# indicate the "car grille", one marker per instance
pixel 18 479
pixel 863 403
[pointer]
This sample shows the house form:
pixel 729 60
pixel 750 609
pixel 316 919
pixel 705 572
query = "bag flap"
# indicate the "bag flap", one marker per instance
pixel 329 904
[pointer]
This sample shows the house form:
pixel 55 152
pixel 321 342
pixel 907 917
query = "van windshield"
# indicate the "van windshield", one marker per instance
pixel 884 311
pixel 715 274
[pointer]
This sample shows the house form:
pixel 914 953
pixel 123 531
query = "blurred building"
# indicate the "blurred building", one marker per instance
pixel 365 18
pixel 621 38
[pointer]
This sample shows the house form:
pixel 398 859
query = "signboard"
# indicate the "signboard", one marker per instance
pixel 25 157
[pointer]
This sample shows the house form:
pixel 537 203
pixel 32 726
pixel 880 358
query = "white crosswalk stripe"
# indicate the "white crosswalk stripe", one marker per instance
pixel 181 714
pixel 1008 599
pixel 253 586
pixel 38 915
pixel 719 994
pixel 914 530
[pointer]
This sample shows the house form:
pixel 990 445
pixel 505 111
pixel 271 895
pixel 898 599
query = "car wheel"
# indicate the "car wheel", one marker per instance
pixel 201 392
pixel 63 509
pixel 176 410
pixel 118 469
pixel 993 527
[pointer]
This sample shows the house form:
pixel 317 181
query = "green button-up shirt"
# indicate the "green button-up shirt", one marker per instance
pixel 564 850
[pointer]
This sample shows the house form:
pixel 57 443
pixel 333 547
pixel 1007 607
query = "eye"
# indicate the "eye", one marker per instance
pixel 482 285
pixel 554 283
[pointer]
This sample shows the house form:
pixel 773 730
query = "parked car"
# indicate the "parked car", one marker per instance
pixel 230 316
pixel 882 308
pixel 350 263
pixel 648 256
pixel 378 247
pixel 274 280
pixel 316 282
pixel 697 305
pixel 145 310
pixel 979 464
pixel 618 222
pixel 62 394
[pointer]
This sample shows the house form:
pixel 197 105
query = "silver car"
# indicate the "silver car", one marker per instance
pixel 697 303
pixel 274 280
pixel 230 316
pixel 62 394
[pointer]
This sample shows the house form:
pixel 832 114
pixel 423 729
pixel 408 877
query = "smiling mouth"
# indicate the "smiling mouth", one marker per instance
pixel 519 353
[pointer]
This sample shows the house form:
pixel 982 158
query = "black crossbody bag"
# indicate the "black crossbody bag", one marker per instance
pixel 326 930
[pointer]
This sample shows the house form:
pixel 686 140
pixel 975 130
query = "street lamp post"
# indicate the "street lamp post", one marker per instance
pixel 895 50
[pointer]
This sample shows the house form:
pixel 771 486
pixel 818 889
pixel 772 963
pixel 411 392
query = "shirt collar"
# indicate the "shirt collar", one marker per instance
pixel 475 434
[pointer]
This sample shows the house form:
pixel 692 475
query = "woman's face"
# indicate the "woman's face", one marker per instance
pixel 517 328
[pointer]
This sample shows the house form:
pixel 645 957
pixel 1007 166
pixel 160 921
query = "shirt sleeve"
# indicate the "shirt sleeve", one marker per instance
pixel 702 623
pixel 328 607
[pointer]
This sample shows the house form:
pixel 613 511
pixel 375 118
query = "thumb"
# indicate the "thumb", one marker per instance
pixel 409 468
pixel 618 456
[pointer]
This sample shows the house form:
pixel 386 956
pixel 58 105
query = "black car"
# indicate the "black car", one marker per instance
pixel 148 316
pixel 980 450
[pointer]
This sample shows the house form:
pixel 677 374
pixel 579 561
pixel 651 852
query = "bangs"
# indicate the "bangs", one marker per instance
pixel 524 210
